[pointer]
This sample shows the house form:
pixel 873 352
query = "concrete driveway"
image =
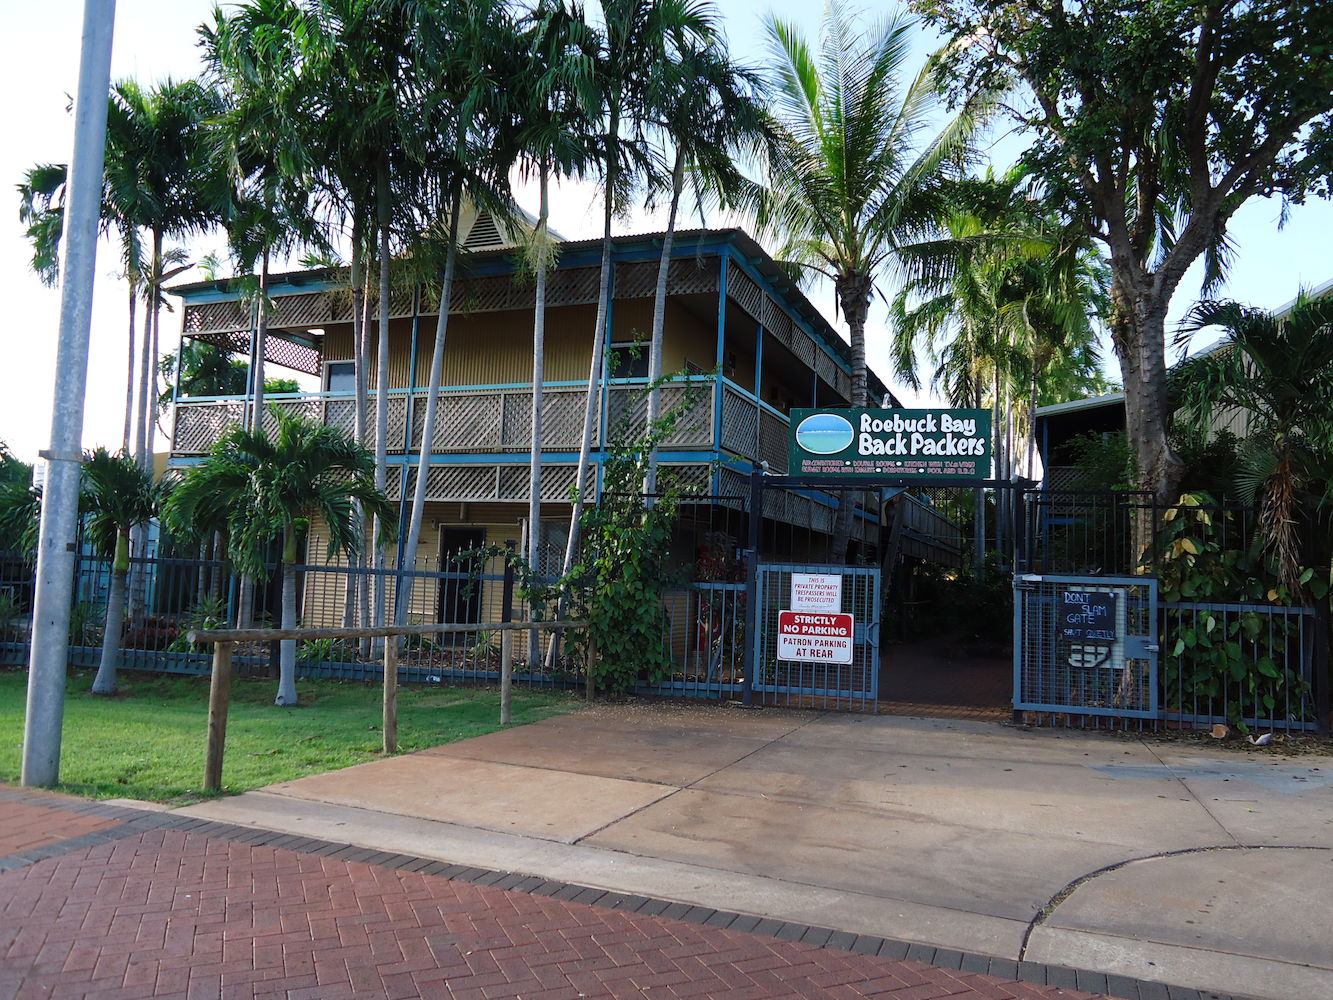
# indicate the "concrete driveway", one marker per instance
pixel 1169 862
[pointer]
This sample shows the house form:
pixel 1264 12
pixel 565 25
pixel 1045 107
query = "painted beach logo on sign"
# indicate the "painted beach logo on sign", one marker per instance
pixel 824 434
pixel 950 444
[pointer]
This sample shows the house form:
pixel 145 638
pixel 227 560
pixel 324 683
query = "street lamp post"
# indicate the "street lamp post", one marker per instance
pixel 60 503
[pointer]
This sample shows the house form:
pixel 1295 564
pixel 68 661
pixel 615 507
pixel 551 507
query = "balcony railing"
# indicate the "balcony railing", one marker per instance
pixel 469 420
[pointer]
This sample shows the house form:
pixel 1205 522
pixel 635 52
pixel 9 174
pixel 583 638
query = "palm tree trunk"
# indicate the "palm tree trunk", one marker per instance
pixel 594 383
pixel 353 586
pixel 261 345
pixel 854 296
pixel 105 681
pixel 659 319
pixel 287 648
pixel 147 411
pixel 538 376
pixel 150 412
pixel 381 387
pixel 365 587
pixel 129 377
pixel 146 358
pixel 428 420
pixel 595 366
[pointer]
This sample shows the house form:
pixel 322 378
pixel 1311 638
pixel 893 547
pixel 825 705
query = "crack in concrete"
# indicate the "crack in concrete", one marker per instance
pixel 703 777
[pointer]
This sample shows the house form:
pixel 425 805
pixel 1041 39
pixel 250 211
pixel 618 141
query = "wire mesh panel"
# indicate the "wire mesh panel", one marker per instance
pixel 1086 645
pixel 1233 663
pixel 818 658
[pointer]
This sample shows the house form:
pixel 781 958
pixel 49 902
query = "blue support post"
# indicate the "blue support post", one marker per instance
pixel 604 383
pixel 758 385
pixel 717 379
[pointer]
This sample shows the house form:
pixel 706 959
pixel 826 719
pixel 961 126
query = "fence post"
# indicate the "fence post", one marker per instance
pixel 1322 678
pixel 590 684
pixel 219 700
pixel 507 638
pixel 506 675
pixel 752 584
pixel 390 695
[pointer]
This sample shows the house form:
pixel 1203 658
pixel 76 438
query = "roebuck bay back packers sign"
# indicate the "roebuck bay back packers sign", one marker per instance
pixel 953 444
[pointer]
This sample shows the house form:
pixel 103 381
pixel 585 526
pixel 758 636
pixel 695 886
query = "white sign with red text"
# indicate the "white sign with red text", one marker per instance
pixel 811 637
pixel 816 592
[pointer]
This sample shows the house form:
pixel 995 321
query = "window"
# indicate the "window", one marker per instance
pixel 340 376
pixel 627 361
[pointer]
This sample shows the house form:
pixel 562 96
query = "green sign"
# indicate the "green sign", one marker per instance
pixel 951 444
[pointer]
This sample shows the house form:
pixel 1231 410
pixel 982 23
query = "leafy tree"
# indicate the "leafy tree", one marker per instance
pixel 267 488
pixel 1278 372
pixel 1152 123
pixel 117 495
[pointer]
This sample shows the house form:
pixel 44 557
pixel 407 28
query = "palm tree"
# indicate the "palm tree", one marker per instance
pixel 1278 371
pixel 703 107
pixel 633 44
pixel 42 209
pixel 154 173
pixel 272 487
pixel 849 179
pixel 458 52
pixel 118 495
pixel 551 135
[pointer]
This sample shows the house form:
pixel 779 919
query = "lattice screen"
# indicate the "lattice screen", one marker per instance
pixel 695 428
pixel 773 432
pixel 302 311
pixel 695 274
pixel 740 425
pixel 745 292
pixel 692 479
pixel 278 350
pixel 213 317
pixel 562 420
pixel 573 286
pixel 197 426
pixel 637 281
pixel 516 421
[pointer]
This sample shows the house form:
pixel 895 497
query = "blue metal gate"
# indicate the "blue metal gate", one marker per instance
pixel 1086 645
pixel 833 684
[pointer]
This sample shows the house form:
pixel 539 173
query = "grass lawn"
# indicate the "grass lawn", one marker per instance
pixel 147 741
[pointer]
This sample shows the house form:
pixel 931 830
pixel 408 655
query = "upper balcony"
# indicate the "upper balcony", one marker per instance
pixel 497 420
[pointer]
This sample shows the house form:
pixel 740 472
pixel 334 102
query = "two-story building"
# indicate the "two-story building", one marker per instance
pixel 745 343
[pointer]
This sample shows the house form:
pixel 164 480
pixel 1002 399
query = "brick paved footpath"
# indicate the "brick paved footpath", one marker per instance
pixel 104 902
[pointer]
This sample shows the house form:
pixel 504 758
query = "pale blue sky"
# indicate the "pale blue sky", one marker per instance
pixel 154 38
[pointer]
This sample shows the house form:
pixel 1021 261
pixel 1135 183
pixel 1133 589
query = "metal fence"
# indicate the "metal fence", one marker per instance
pixel 1230 659
pixel 1250 663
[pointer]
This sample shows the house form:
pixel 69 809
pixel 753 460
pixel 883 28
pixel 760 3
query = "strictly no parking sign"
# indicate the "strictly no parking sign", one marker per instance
pixel 815 638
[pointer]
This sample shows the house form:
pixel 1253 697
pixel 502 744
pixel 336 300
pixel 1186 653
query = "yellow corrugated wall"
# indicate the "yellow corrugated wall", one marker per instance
pixel 495 348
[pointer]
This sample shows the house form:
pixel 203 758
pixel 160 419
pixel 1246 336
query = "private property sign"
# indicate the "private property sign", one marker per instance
pixel 815 638
pixel 859 443
pixel 816 592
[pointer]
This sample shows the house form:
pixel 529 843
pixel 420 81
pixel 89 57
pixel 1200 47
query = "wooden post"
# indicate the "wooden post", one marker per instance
pixel 506 675
pixel 591 683
pixel 219 698
pixel 390 695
